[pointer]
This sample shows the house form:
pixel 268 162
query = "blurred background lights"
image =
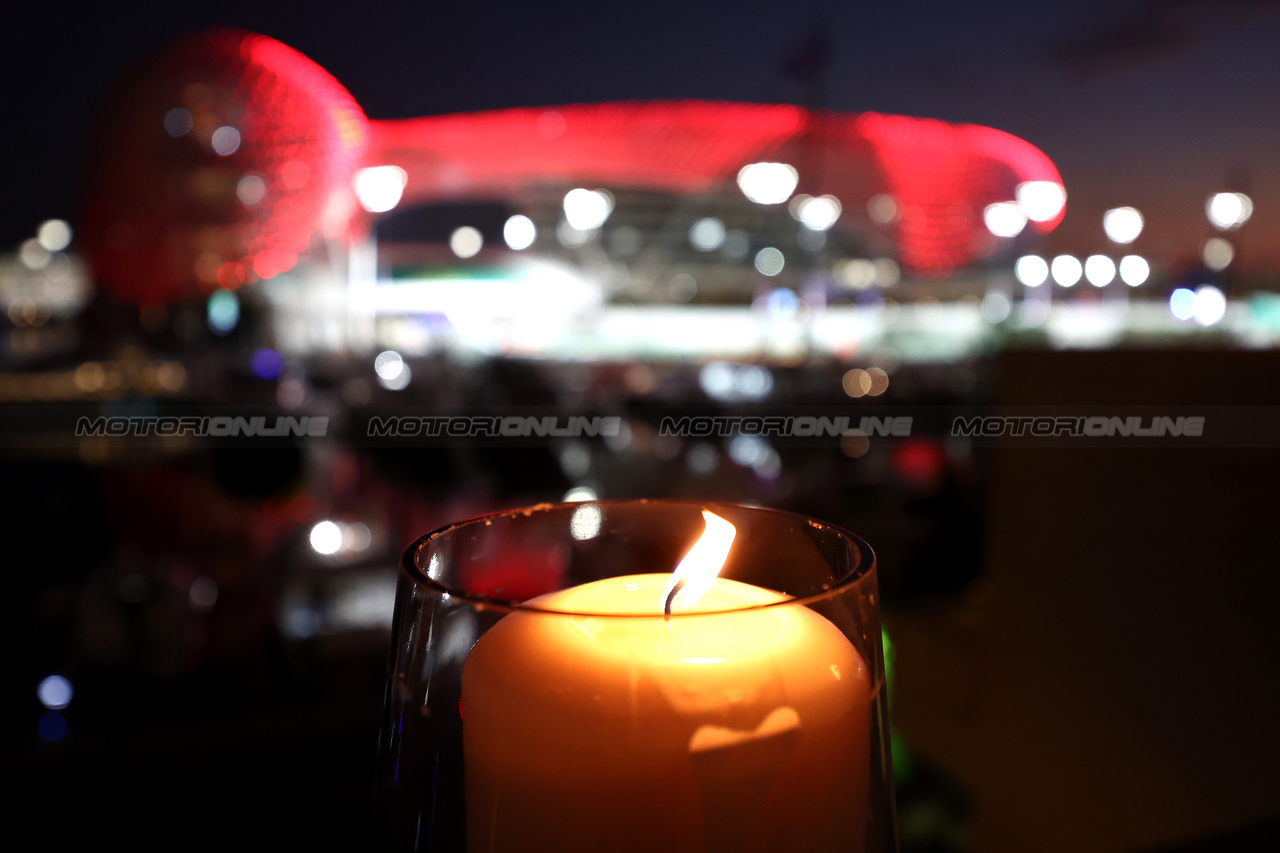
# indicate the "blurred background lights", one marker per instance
pixel 996 307
pixel 1041 201
pixel 393 374
pixel 1134 270
pixel 585 209
pixel 1066 270
pixel 203 593
pixel 1228 211
pixel 519 232
pixel 748 450
pixel 819 214
pixel 1099 270
pixel 54 235
pixel 1182 303
pixel 1004 219
pixel 585 522
pixel 578 494
pixel 768 183
pixel 466 242
pixel 727 382
pixel 225 140
pixel 707 234
pixel 883 209
pixel 251 189
pixel 223 312
pixel 178 122
pixel 1031 270
pixel 871 382
pixel 1122 224
pixel 266 363
pixel 1218 253
pixel 769 261
pixel 1209 306
pixel 379 188
pixel 55 692
pixel 33 255
pixel 326 538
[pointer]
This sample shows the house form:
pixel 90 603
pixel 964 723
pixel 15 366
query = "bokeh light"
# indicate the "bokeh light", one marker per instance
pixel 1031 270
pixel 1041 201
pixel 768 183
pixel 1134 270
pixel 1099 270
pixel 1228 211
pixel 519 232
pixel 1004 219
pixel 1122 224
pixel 466 242
pixel 1066 270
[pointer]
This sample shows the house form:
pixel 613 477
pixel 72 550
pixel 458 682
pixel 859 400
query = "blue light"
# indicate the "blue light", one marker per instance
pixel 224 312
pixel 782 303
pixel 267 363
pixel 55 692
pixel 52 726
pixel 1183 303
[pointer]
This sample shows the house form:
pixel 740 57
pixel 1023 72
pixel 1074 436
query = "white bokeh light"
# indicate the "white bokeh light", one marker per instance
pixel 1228 211
pixel 768 183
pixel 770 261
pixel 1031 270
pixel 225 140
pixel 1134 270
pixel 1041 201
pixel 707 234
pixel 585 522
pixel 1218 253
pixel 586 209
pixel 519 232
pixel 466 242
pixel 379 188
pixel 819 214
pixel 326 538
pixel 54 235
pixel 1210 305
pixel 1004 219
pixel 1099 270
pixel 1122 224
pixel 1066 270
pixel 251 189
pixel 388 364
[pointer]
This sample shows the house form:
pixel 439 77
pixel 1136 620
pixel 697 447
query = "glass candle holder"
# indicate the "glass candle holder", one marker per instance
pixel 636 675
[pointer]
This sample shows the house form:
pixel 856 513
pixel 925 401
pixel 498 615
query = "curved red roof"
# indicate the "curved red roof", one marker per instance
pixel 942 175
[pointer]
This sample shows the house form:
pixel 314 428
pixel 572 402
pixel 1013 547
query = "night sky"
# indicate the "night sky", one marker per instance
pixel 1153 104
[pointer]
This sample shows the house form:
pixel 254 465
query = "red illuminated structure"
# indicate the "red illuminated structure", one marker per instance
pixel 941 175
pixel 216 165
pixel 165 210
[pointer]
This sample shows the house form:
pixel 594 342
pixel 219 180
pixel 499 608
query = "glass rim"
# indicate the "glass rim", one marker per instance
pixel 865 565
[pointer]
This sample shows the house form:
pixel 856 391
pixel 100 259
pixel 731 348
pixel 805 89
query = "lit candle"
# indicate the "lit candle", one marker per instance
pixel 616 729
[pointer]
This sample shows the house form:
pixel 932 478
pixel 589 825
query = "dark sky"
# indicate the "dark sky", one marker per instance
pixel 1153 104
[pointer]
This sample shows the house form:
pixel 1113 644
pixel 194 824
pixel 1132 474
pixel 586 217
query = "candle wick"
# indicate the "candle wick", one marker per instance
pixel 666 613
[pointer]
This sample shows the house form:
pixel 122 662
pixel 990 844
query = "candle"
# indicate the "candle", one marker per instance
pixel 605 727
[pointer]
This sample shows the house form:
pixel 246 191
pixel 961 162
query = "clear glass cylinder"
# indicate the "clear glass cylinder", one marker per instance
pixel 576 677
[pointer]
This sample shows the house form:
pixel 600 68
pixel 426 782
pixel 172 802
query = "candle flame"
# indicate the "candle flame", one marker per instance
pixel 699 568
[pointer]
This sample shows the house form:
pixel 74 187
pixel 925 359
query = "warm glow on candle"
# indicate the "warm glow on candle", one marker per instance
pixel 700 567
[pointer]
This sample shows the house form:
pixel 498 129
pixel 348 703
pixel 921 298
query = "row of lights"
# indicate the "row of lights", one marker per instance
pixel 1067 270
